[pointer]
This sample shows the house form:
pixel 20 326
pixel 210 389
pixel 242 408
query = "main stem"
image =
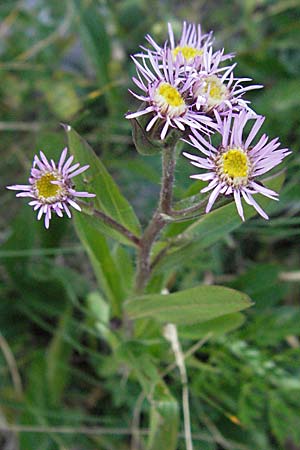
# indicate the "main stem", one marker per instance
pixel 157 222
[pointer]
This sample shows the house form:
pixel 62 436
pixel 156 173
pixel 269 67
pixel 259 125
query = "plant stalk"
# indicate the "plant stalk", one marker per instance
pixel 157 222
pixel 111 222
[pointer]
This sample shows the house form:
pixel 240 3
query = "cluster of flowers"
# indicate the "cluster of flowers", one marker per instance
pixel 190 87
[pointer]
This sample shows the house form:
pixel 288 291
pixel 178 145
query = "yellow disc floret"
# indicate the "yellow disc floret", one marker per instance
pixel 213 89
pixel 235 163
pixel 169 100
pixel 45 189
pixel 189 53
pixel 170 94
pixel 233 166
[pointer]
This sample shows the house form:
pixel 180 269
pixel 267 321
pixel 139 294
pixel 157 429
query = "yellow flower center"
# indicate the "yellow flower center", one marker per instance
pixel 170 94
pixel 169 100
pixel 213 88
pixel 234 166
pixel 45 189
pixel 189 53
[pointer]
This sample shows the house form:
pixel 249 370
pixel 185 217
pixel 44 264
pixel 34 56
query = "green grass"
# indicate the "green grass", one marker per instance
pixel 69 62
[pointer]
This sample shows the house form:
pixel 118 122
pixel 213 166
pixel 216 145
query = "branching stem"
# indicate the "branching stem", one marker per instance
pixel 110 222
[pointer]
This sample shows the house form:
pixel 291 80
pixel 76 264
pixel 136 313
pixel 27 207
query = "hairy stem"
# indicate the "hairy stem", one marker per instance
pixel 110 222
pixel 168 167
pixel 157 222
pixel 143 260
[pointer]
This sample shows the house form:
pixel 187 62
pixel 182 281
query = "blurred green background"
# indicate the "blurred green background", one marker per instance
pixel 69 61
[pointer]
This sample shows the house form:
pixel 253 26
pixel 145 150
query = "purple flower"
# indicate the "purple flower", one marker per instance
pixel 190 46
pixel 233 168
pixel 189 50
pixel 216 88
pixel 51 186
pixel 166 95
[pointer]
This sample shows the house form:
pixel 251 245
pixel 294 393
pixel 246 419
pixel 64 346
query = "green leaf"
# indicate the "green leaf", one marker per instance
pixel 164 419
pixel 108 196
pixel 194 305
pixel 124 262
pixel 215 327
pixel 102 261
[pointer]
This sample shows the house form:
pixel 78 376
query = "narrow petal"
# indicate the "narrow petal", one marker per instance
pixel 68 212
pixel 250 200
pixel 75 206
pixel 78 171
pixel 213 197
pixel 40 213
pixel 62 158
pixel 254 130
pixel 164 130
pixel 82 194
pixel 237 199
pixel 19 187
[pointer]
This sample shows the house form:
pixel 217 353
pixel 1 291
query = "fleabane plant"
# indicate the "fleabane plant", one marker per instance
pixel 187 94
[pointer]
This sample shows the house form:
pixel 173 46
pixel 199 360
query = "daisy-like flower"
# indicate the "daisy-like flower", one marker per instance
pixel 216 88
pixel 166 97
pixel 51 186
pixel 189 50
pixel 233 168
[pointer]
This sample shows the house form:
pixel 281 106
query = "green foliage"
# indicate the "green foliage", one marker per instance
pixel 104 265
pixel 69 353
pixel 213 327
pixel 195 305
pixel 108 197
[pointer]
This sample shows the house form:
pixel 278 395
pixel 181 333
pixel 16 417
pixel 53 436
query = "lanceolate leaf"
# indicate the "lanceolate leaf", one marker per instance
pixel 103 263
pixel 194 305
pixel 214 327
pixel 108 196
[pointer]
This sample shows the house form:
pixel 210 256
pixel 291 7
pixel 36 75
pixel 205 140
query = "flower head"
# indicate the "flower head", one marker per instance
pixel 51 186
pixel 233 168
pixel 216 88
pixel 189 49
pixel 190 46
pixel 167 95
